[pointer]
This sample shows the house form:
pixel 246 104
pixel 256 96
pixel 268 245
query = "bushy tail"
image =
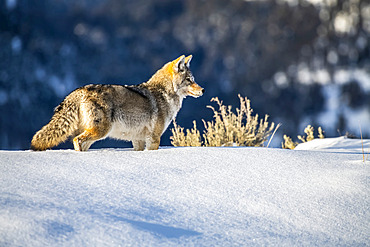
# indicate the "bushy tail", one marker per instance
pixel 62 125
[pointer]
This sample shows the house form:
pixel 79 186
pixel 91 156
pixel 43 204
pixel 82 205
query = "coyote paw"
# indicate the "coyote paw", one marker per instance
pixel 77 144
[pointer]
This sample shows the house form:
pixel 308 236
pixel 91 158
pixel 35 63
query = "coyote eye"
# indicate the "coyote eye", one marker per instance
pixel 189 78
pixel 186 81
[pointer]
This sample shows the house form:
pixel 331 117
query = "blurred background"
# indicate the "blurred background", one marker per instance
pixel 299 61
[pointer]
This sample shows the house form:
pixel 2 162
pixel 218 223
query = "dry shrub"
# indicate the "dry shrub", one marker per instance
pixel 191 138
pixel 288 143
pixel 227 129
pixel 309 130
pixel 321 133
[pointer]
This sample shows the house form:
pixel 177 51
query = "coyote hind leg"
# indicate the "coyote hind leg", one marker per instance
pixel 83 141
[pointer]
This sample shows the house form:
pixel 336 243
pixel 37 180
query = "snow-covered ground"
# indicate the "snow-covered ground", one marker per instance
pixel 339 145
pixel 187 197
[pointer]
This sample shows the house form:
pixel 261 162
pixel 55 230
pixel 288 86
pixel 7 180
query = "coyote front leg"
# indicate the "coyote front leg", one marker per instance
pixel 139 145
pixel 152 143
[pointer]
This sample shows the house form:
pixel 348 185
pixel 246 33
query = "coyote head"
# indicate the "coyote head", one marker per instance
pixel 182 78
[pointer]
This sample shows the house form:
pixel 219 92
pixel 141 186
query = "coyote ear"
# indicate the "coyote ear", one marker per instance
pixel 187 60
pixel 179 64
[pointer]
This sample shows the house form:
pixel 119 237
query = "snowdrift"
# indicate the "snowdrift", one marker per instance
pixel 185 197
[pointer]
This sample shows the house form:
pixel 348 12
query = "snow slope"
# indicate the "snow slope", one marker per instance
pixel 339 145
pixel 184 197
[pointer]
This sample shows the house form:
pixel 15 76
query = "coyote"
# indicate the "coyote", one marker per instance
pixel 139 113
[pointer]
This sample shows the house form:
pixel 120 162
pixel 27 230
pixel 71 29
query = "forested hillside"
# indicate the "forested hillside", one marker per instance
pixel 301 62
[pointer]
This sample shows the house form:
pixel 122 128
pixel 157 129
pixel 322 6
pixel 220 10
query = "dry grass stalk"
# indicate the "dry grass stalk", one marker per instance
pixel 362 145
pixel 273 133
pixel 321 134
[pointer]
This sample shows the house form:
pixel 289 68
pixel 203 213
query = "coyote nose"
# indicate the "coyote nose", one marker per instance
pixel 202 90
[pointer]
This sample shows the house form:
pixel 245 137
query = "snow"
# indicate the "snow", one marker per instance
pixel 230 196
pixel 339 144
pixel 336 105
pixel 345 76
pixel 10 4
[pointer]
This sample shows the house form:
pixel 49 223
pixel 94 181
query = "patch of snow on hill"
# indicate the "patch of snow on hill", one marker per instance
pixel 339 144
